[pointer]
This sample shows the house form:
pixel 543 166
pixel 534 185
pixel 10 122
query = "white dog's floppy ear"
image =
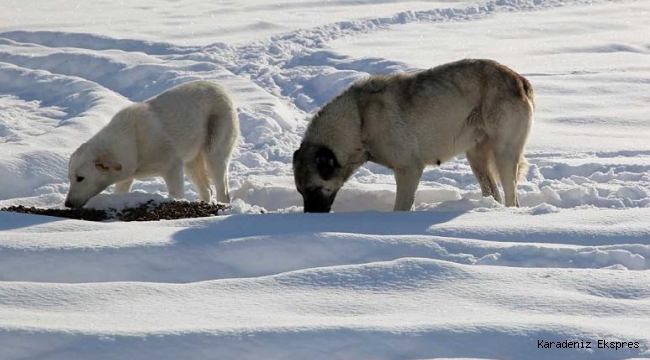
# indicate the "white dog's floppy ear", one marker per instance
pixel 105 163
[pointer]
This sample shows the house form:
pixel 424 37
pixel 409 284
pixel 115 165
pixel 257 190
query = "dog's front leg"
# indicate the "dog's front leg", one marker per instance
pixel 407 180
pixel 174 180
pixel 123 187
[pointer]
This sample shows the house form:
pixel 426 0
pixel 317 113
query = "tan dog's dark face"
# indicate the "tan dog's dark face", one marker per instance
pixel 318 176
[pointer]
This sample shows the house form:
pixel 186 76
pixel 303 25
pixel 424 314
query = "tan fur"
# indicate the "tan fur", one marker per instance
pixel 409 121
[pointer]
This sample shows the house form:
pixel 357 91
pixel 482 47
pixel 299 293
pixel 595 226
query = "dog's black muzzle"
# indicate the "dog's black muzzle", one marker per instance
pixel 315 202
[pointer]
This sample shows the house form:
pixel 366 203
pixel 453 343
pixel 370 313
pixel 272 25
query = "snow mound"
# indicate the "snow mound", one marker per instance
pixel 461 277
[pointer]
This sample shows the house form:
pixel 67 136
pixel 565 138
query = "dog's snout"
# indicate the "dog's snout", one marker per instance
pixel 315 202
pixel 68 204
pixel 310 208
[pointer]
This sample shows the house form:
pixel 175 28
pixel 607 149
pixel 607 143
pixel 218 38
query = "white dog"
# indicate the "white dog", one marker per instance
pixel 194 125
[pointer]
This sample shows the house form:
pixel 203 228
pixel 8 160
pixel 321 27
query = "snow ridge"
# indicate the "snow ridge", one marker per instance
pixel 462 277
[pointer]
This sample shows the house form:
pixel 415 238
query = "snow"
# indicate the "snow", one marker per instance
pixel 461 277
pixel 587 75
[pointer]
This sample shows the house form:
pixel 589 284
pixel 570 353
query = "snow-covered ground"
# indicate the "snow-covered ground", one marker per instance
pixel 462 277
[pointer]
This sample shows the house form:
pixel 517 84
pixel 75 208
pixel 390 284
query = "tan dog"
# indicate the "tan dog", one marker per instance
pixel 192 126
pixel 408 121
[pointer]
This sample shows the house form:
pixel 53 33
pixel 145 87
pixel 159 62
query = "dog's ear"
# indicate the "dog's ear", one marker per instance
pixel 295 154
pixel 326 163
pixel 105 163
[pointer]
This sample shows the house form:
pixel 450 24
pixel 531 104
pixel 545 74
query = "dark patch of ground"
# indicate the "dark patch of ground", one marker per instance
pixel 149 211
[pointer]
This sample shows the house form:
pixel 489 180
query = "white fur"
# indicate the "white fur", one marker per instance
pixel 192 126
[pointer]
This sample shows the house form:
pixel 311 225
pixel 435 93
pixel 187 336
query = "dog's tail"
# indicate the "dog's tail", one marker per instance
pixel 525 89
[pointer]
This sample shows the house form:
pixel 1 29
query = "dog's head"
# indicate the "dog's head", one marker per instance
pixel 90 172
pixel 318 176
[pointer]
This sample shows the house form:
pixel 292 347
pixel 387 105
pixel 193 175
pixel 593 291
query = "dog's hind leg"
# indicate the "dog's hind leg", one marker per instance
pixel 507 164
pixel 199 174
pixel 407 180
pixel 223 134
pixel 508 147
pixel 481 160
pixel 123 187
pixel 218 164
pixel 174 180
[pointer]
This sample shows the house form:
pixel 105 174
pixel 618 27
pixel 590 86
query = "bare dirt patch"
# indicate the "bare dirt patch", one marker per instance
pixel 149 211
